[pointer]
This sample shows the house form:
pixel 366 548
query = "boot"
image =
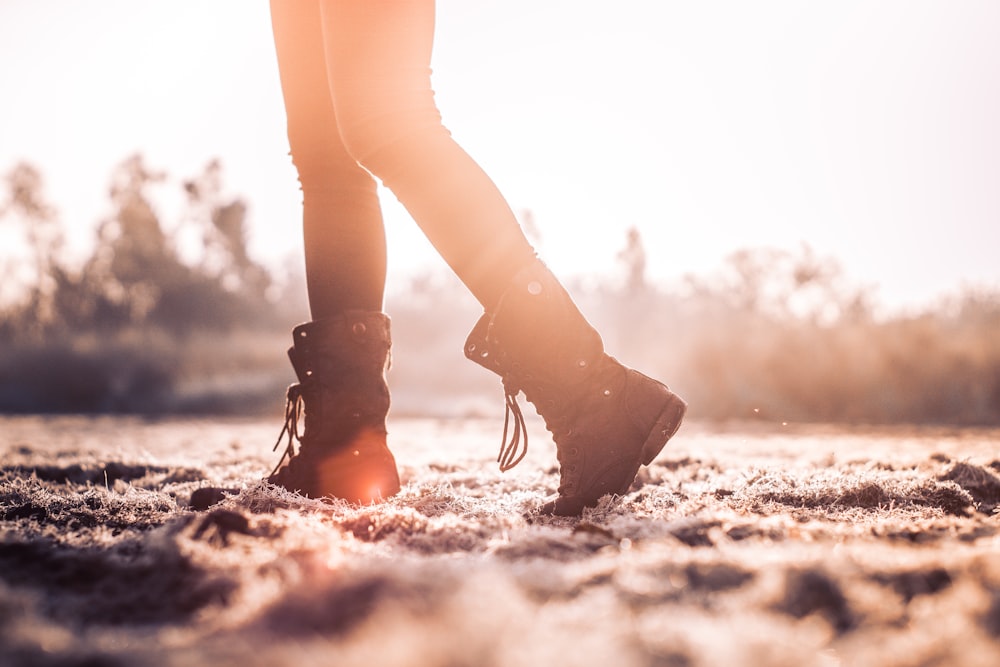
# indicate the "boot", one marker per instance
pixel 340 363
pixel 606 419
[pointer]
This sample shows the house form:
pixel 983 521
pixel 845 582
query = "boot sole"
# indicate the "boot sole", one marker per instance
pixel 664 428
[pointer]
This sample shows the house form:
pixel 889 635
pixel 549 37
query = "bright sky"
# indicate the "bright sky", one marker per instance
pixel 866 129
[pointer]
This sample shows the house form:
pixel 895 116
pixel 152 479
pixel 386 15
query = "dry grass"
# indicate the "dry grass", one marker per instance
pixel 747 546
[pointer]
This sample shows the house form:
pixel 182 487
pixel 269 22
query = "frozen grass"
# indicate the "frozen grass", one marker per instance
pixel 746 546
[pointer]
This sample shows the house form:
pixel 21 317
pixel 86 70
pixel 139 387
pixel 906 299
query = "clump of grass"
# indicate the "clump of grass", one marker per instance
pixel 978 482
pixel 835 491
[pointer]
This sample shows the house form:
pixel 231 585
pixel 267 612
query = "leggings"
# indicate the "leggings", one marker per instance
pixel 356 82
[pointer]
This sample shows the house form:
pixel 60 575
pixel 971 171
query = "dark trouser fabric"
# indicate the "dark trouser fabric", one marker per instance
pixel 356 81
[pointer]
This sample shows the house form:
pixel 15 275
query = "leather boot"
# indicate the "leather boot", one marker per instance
pixel 606 419
pixel 340 363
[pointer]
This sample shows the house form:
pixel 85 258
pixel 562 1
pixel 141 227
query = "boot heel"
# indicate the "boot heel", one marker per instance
pixel 665 427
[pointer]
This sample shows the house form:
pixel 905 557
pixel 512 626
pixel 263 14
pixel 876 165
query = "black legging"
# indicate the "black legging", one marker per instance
pixel 355 77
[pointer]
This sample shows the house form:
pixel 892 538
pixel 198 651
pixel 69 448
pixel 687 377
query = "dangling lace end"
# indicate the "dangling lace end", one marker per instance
pixel 293 413
pixel 514 450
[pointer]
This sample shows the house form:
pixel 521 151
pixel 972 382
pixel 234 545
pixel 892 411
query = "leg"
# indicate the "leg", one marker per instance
pixel 378 54
pixel 341 217
pixel 606 419
pixel 340 358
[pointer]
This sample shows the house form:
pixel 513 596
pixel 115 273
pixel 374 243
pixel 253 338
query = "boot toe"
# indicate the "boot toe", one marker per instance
pixel 362 471
pixel 637 426
pixel 565 506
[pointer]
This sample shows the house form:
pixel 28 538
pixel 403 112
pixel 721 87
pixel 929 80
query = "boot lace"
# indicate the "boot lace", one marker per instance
pixel 559 418
pixel 293 415
pixel 557 421
pixel 514 450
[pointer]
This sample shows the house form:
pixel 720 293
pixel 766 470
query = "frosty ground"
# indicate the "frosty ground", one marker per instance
pixel 743 545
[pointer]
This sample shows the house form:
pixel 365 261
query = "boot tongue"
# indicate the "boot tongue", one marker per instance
pixel 298 364
pixel 477 346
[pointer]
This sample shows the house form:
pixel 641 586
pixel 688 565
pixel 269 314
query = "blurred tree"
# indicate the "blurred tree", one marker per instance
pixel 224 234
pixel 43 235
pixel 112 335
pixel 133 261
pixel 633 257
pixel 778 283
pixel 137 270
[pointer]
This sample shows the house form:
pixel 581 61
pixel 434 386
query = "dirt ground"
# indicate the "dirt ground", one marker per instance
pixel 742 545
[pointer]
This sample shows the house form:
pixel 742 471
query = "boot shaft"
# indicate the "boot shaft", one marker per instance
pixel 536 338
pixel 356 341
pixel 341 363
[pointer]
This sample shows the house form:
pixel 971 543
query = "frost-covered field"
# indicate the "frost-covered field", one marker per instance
pixel 747 546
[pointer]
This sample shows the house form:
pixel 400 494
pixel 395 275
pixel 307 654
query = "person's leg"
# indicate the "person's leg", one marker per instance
pixel 378 55
pixel 342 224
pixel 606 419
pixel 341 356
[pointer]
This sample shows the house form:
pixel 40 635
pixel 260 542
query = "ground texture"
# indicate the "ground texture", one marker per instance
pixel 749 545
